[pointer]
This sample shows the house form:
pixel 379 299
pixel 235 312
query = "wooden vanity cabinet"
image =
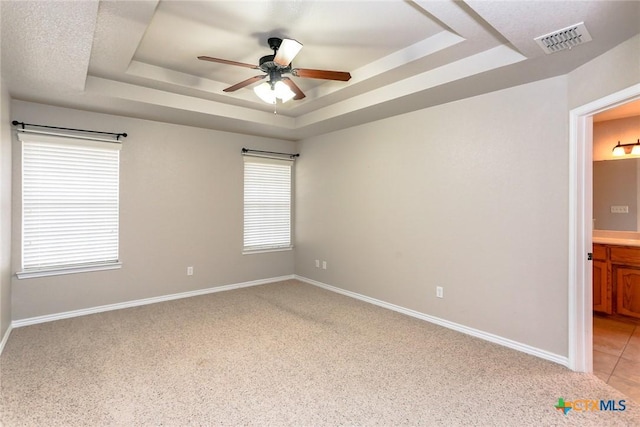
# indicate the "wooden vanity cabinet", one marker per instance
pixel 616 280
pixel 602 301
pixel 628 290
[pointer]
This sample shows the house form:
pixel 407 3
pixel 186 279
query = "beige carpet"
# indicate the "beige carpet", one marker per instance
pixel 280 354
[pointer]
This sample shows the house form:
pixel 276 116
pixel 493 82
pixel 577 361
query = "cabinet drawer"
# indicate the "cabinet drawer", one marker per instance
pixel 625 254
pixel 599 252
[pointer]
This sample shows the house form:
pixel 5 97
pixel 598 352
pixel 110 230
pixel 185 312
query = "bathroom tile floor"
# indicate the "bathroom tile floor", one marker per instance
pixel 616 354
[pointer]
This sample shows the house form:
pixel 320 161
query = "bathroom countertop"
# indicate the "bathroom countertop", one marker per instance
pixel 616 241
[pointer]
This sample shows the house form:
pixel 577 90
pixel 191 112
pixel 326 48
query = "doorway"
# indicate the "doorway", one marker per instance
pixel 580 357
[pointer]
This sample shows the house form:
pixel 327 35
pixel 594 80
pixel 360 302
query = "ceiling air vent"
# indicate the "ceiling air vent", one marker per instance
pixel 565 38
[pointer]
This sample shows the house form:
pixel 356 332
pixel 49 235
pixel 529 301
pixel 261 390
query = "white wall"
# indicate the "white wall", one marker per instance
pixel 471 196
pixel 5 210
pixel 181 205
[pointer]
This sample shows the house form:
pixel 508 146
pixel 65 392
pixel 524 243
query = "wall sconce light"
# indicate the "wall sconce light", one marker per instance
pixel 269 92
pixel 624 149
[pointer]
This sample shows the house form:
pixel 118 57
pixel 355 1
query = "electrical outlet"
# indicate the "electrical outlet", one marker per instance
pixel 439 292
pixel 619 209
pixel 189 271
pixel 324 265
pixel 317 263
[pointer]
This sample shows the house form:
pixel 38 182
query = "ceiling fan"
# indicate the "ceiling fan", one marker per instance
pixel 278 86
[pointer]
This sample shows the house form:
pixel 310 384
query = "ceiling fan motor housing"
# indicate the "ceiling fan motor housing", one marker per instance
pixel 274 43
pixel 267 65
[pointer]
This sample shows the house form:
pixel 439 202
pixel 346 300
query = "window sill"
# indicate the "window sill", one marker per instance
pixel 30 274
pixel 264 250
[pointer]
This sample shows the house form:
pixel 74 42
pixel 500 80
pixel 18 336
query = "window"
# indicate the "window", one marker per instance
pixel 70 199
pixel 267 204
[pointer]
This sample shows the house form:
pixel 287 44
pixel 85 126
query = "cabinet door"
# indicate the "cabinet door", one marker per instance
pixel 628 291
pixel 601 290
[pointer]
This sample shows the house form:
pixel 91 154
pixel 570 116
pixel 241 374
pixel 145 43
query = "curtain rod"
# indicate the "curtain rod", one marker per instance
pixel 117 135
pixel 292 156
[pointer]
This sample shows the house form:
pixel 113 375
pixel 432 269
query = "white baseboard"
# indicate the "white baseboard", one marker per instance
pixel 543 354
pixel 139 302
pixel 5 338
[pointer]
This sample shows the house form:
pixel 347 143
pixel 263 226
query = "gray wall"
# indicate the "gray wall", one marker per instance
pixel 611 72
pixel 5 210
pixel 180 205
pixel 471 196
pixel 615 183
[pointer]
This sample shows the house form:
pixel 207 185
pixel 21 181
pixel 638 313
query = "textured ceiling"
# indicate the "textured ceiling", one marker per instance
pixel 138 58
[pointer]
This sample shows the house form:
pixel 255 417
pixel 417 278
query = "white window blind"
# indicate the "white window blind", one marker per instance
pixel 70 197
pixel 267 204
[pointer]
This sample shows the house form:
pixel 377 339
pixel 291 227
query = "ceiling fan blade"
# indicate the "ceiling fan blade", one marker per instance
pixel 287 51
pixel 342 76
pixel 226 61
pixel 244 83
pixel 294 87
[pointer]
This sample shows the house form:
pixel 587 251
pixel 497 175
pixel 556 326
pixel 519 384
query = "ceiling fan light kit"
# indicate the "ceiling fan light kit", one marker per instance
pixel 286 52
pixel 265 93
pixel 271 94
pixel 274 66
pixel 282 91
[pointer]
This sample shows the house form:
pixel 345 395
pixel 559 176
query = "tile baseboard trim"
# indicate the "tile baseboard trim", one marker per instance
pixel 136 303
pixel 496 339
pixel 5 338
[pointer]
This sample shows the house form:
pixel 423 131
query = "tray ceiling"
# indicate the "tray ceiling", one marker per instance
pixel 139 58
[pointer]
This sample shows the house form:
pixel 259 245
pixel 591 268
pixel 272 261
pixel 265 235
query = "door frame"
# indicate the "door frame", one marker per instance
pixel 580 355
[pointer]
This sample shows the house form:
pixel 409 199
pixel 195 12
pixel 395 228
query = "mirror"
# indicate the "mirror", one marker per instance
pixel 615 194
